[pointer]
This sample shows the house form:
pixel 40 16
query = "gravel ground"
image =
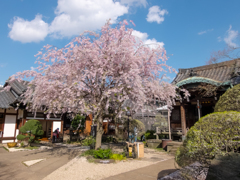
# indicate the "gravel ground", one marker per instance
pixel 79 168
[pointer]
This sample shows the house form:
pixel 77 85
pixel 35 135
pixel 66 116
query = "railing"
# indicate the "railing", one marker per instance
pixel 166 131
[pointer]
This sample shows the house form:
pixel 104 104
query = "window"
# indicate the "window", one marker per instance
pixel 165 113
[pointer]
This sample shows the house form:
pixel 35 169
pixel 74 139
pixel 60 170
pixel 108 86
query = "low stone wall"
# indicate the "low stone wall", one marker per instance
pixel 154 143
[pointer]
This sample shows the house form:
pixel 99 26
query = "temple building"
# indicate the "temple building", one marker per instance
pixel 12 118
pixel 205 84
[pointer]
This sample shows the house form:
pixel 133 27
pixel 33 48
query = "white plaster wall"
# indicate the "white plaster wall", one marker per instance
pixel 56 124
pixel 17 132
pixel 9 126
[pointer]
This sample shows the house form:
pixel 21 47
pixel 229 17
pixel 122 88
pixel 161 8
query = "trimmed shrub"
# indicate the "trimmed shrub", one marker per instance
pixel 214 134
pixel 149 134
pixel 102 153
pixel 32 130
pixel 229 101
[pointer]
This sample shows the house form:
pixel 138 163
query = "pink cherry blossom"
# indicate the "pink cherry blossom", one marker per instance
pixel 94 70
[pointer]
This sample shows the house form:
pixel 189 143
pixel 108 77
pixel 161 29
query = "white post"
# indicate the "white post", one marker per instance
pixel 169 128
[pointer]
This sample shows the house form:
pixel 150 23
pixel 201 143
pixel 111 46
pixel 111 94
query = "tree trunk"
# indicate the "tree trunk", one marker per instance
pixel 99 133
pixel 116 130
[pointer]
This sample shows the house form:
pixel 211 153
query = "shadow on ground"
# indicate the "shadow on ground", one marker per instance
pixel 3 174
pixel 56 152
pixel 11 166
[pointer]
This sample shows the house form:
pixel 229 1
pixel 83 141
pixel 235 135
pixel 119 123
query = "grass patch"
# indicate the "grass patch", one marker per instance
pixel 24 164
pixel 160 149
pixel 118 157
pixel 92 154
pixel 30 148
pixel 73 142
pixel 88 153
pixel 91 160
pixel 5 149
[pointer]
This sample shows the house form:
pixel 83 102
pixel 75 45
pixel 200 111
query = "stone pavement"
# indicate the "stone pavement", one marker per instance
pixel 152 172
pixel 11 166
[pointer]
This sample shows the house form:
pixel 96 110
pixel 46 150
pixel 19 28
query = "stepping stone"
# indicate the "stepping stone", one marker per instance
pixel 32 162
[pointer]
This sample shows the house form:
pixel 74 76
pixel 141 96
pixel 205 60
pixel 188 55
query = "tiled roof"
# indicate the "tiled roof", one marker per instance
pixel 18 87
pixel 8 97
pixel 219 72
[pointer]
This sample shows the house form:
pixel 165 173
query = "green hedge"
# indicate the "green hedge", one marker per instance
pixel 229 101
pixel 214 134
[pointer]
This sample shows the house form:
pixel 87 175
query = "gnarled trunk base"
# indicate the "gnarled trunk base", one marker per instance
pixel 99 133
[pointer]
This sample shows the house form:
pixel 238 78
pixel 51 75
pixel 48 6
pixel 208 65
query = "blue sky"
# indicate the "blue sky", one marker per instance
pixel 188 30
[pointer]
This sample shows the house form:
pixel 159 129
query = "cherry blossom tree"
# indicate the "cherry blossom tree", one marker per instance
pixel 95 70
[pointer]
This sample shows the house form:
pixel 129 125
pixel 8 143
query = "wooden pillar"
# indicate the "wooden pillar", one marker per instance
pixel 183 119
pixel 51 130
pixel 62 122
pixel 169 128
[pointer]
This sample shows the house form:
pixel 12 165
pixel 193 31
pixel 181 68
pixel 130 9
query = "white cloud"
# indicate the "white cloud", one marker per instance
pixel 203 32
pixel 156 14
pixel 2 65
pixel 219 38
pixel 134 2
pixel 231 37
pixel 152 43
pixel 74 16
pixel 28 31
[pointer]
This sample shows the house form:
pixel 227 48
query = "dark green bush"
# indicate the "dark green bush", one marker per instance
pixel 229 101
pixel 78 122
pixel 214 134
pixel 102 153
pixel 32 130
pixel 88 141
pixel 149 134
